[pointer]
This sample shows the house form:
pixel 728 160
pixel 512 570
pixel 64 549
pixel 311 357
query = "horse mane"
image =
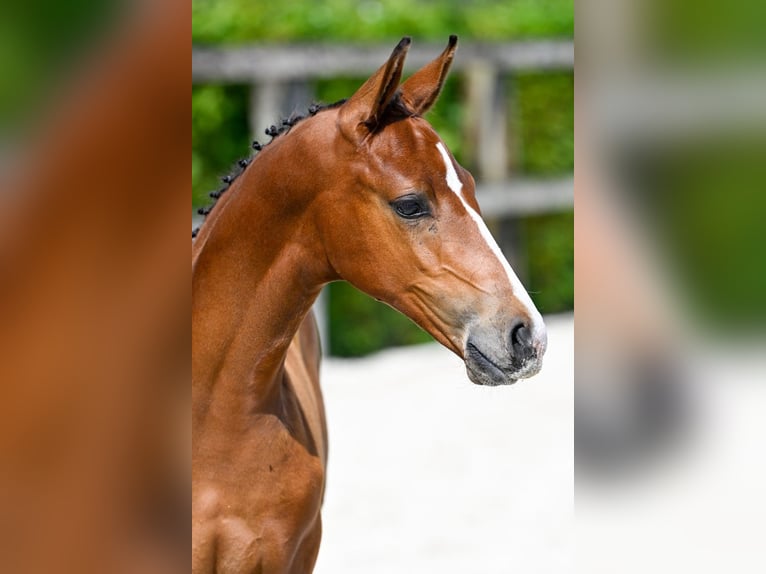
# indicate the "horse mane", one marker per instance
pixel 272 131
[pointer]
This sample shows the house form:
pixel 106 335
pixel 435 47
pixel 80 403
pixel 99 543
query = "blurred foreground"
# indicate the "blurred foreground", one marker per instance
pixel 94 335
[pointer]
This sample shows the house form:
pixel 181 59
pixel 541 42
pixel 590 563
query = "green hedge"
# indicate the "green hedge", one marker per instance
pixel 234 21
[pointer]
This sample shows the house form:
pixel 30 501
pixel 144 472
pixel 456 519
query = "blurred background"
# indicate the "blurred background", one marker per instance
pixel 506 113
pixel 671 276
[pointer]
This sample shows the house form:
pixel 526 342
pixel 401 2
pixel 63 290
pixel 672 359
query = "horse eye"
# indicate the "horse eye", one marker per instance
pixel 410 208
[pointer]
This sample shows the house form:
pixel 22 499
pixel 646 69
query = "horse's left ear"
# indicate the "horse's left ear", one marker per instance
pixel 421 90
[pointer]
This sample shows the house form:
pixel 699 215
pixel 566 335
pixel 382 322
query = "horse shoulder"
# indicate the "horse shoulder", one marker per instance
pixel 260 512
pixel 302 377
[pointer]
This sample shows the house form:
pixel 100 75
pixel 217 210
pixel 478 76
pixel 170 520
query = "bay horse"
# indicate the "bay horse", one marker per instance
pixel 363 191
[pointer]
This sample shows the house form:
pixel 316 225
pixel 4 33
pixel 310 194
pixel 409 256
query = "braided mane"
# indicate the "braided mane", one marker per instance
pixel 272 131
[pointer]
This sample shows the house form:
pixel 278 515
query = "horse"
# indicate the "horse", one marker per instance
pixel 363 191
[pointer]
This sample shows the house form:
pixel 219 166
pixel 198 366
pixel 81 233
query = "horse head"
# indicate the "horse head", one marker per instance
pixel 393 213
pixel 400 221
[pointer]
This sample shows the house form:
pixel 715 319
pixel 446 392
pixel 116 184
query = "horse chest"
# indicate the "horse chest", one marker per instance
pixel 260 509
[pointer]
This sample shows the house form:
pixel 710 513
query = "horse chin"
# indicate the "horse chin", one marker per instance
pixel 482 370
pixel 488 380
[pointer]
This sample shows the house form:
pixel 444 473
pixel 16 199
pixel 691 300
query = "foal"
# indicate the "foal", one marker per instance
pixel 364 192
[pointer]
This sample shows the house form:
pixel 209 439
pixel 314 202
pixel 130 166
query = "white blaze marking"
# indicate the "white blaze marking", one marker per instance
pixel 454 183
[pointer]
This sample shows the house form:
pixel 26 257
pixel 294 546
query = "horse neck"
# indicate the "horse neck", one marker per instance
pixel 257 267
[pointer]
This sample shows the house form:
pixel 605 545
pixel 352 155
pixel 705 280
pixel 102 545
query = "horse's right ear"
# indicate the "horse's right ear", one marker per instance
pixel 362 112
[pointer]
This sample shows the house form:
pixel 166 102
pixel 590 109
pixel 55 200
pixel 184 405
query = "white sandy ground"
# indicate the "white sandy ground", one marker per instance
pixel 430 473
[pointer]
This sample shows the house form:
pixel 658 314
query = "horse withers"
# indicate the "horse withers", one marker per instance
pixel 363 191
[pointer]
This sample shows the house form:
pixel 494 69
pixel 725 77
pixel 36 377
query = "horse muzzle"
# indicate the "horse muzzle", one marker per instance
pixel 494 361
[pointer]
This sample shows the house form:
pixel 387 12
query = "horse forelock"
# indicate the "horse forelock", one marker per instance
pixel 395 111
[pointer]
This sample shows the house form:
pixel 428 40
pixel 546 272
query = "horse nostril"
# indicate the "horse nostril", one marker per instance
pixel 521 341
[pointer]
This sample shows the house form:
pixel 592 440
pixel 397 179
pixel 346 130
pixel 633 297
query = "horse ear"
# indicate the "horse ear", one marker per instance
pixel 362 112
pixel 421 90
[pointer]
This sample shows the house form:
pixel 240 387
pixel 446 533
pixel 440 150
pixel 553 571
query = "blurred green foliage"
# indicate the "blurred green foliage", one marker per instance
pixel 541 111
pixel 360 325
pixel 705 200
pixel 706 33
pixel 549 240
pixel 545 121
pixel 233 21
pixel 220 135
pixel 38 40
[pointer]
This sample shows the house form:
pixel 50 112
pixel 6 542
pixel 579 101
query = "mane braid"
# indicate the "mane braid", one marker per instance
pixel 284 126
